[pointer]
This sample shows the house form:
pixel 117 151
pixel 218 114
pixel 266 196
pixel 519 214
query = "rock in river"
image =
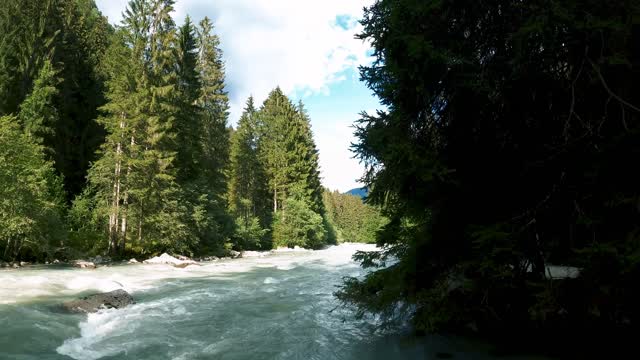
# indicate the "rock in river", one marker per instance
pixel 115 299
pixel 170 260
pixel 84 264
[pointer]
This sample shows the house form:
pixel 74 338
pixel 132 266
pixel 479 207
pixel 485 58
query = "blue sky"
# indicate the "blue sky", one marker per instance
pixel 305 47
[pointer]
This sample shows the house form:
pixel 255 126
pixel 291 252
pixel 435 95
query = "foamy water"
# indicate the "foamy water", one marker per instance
pixel 31 283
pixel 266 306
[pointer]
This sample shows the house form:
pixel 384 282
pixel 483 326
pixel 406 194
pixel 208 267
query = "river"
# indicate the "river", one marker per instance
pixel 269 306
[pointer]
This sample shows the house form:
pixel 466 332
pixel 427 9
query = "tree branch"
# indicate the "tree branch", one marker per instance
pixel 606 87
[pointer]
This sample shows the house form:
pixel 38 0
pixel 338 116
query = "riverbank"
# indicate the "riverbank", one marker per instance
pixel 100 260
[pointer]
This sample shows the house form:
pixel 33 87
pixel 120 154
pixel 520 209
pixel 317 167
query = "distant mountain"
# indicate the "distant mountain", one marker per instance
pixel 361 192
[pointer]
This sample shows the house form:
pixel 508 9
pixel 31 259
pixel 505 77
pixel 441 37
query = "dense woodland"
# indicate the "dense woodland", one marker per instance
pixel 116 140
pixel 510 143
pixel 353 219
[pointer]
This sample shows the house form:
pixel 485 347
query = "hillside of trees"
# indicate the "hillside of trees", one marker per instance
pixel 116 140
pixel 353 219
pixel 509 145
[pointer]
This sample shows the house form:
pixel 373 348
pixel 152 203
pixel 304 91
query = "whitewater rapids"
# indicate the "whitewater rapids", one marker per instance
pixel 277 305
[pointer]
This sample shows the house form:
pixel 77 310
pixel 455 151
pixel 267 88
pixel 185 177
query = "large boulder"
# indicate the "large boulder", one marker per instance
pixel 170 260
pixel 235 254
pixel 132 261
pixel 84 264
pixel 112 300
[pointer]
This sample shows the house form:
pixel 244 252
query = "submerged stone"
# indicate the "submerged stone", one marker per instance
pixel 112 300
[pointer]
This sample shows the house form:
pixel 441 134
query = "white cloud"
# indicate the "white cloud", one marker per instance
pixel 340 171
pixel 291 43
pixel 294 44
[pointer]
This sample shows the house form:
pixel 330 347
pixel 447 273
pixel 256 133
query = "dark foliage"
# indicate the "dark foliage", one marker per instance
pixel 509 144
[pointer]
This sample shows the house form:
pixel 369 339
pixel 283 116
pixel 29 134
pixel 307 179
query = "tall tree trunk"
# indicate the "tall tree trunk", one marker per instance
pixel 125 207
pixel 275 199
pixel 115 205
pixel 140 216
pixel 7 249
pixel 282 205
pixel 114 216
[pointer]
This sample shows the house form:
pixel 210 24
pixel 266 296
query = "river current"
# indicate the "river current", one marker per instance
pixel 277 305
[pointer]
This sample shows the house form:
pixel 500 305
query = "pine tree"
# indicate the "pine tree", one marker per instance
pixel 72 36
pixel 110 175
pixel 83 41
pixel 189 118
pixel 31 35
pixel 276 141
pixel 31 224
pixel 142 198
pixel 38 114
pixel 248 192
pixel 506 145
pixel 212 135
pixel 290 158
pixel 161 210
pixel 309 168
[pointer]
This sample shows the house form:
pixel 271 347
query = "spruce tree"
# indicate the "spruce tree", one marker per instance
pixel 248 192
pixel 110 177
pixel 215 226
pixel 276 141
pixel 83 40
pixel 135 179
pixel 290 159
pixel 506 146
pixel 72 36
pixel 31 194
pixel 188 121
pixel 308 158
pixel 31 35
pixel 38 114
pixel 161 210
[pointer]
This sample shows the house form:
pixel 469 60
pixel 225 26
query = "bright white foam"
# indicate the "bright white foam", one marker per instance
pixel 250 254
pixel 93 283
pixel 97 332
pixel 27 284
pixel 270 280
pixel 97 327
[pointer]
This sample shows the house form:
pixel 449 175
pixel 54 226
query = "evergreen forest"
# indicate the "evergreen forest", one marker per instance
pixel 116 140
